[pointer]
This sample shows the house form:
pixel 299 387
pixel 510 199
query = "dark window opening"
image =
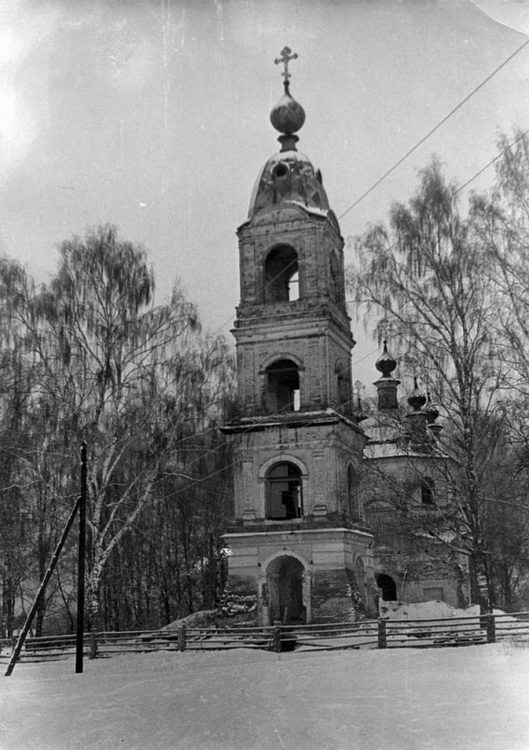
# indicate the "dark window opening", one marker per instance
pixel 281 169
pixel 283 493
pixel 387 586
pixel 427 491
pixel 281 276
pixel 282 387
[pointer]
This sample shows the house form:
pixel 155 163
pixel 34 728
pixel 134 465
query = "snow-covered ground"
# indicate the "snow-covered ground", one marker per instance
pixel 464 698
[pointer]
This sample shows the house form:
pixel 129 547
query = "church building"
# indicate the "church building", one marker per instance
pixel 409 486
pixel 300 543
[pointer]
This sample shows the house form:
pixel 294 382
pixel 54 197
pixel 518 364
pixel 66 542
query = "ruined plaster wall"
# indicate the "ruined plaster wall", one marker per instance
pixel 419 564
pixel 419 567
pixel 322 452
pixel 328 557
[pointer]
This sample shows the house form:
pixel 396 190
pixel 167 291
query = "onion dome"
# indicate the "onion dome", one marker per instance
pixel 289 177
pixel 287 116
pixel 417 398
pixel 385 363
pixel 432 412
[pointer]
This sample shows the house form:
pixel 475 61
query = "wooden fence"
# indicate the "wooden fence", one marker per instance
pixel 382 633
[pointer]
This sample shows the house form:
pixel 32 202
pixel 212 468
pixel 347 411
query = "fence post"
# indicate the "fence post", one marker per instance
pixel 491 628
pixel 381 633
pixel 93 644
pixel 182 638
pixel 276 634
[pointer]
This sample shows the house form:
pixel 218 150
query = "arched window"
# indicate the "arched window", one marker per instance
pixel 427 491
pixel 283 492
pixel 281 275
pixel 282 387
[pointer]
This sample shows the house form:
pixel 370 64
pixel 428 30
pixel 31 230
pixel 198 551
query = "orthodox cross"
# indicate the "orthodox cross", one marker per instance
pixel 285 59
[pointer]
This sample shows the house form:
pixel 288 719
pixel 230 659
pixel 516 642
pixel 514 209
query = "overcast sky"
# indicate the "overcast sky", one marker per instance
pixel 153 115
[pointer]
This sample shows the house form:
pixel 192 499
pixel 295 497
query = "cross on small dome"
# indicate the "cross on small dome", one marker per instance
pixel 287 116
pixel 285 58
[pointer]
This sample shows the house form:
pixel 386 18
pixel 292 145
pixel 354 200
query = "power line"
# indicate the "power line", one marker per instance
pixel 436 127
pixel 489 163
pixel 277 414
pixel 409 152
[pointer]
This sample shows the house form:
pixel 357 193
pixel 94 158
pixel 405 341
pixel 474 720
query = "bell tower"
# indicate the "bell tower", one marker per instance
pixel 298 542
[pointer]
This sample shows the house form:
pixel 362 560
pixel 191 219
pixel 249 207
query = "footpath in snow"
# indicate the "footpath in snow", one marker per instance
pixel 466 698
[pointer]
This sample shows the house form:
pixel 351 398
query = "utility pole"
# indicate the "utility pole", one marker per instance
pixel 40 593
pixel 81 566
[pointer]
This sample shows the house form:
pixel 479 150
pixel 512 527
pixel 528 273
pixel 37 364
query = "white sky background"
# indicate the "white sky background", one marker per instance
pixel 153 115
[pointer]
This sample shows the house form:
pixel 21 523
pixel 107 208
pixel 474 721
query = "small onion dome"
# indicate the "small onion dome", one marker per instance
pixel 287 116
pixel 417 399
pixel 432 412
pixel 385 363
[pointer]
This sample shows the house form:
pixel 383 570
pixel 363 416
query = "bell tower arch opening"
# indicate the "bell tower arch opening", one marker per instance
pixel 285 576
pixel 282 387
pixel 281 275
pixel 284 499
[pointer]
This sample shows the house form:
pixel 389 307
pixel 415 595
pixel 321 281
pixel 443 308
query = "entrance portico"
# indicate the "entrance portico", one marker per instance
pixel 285 589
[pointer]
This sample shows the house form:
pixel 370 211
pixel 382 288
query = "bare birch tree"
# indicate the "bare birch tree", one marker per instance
pixel 427 278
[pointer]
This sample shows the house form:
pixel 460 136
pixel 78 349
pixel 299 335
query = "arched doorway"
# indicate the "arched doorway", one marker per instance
pixel 284 577
pixel 387 586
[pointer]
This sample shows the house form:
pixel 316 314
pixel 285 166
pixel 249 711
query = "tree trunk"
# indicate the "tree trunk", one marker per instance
pixel 8 606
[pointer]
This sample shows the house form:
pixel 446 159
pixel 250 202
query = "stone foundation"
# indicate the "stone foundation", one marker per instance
pixel 239 597
pixel 333 597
